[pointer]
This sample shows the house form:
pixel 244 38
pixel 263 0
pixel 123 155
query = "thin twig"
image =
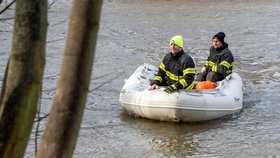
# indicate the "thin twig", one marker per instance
pixel 7 7
pixel 9 18
pixel 41 118
pixel 38 125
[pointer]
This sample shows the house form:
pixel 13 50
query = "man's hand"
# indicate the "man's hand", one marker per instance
pixel 203 70
pixel 154 86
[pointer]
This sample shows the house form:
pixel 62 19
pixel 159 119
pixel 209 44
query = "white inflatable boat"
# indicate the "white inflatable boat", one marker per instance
pixel 184 105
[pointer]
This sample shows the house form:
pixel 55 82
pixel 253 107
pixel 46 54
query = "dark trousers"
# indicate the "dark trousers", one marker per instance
pixel 209 76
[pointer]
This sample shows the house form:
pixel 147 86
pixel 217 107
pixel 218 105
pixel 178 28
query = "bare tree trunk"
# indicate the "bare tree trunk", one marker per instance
pixel 22 84
pixel 63 125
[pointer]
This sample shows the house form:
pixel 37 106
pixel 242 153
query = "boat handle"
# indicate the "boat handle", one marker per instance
pixel 123 90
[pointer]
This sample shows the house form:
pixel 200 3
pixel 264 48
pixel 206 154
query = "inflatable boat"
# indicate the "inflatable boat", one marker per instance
pixel 183 105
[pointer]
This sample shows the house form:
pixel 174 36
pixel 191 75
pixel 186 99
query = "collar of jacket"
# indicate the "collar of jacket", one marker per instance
pixel 177 55
pixel 225 45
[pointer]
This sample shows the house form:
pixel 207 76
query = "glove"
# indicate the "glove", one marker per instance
pixel 154 82
pixel 170 89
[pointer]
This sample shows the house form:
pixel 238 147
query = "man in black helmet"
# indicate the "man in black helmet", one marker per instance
pixel 219 62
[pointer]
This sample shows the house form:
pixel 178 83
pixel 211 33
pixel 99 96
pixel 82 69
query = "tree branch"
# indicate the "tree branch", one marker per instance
pixel 7 7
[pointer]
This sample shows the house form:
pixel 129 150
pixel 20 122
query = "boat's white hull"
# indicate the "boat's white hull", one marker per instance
pixel 186 106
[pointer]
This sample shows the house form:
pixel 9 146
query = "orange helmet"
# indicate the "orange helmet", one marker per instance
pixel 205 85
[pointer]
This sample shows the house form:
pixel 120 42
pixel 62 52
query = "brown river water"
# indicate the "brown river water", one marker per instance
pixel 133 32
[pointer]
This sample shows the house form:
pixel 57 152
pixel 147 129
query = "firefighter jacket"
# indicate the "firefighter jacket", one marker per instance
pixel 220 60
pixel 176 71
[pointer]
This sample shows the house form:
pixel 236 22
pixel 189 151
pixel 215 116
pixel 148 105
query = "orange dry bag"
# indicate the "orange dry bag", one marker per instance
pixel 205 85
